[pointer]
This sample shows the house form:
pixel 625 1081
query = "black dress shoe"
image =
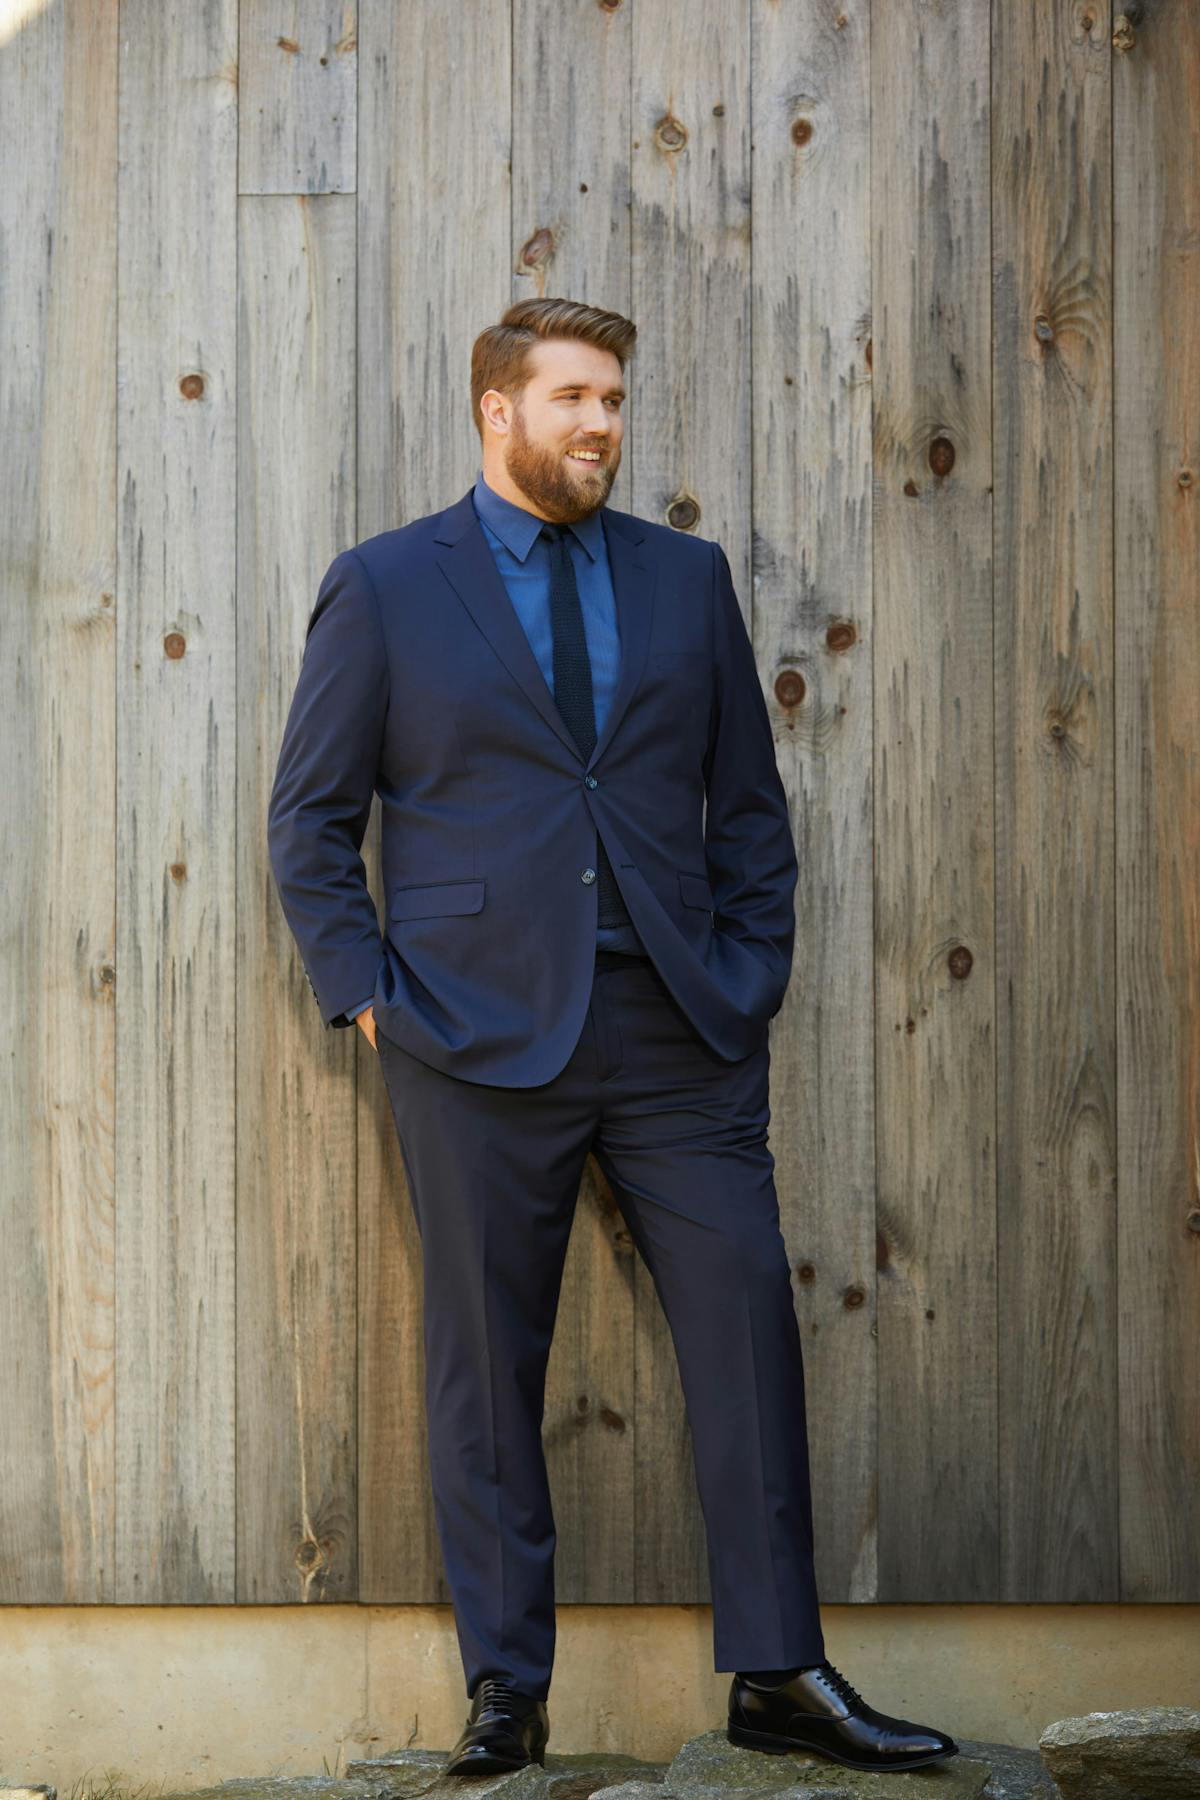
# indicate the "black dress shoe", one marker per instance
pixel 505 1729
pixel 817 1709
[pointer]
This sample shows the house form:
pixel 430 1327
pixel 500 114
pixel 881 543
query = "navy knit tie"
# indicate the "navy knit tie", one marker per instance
pixel 573 694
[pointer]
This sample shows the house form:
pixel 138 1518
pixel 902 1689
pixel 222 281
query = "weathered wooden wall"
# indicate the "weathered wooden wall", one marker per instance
pixel 918 289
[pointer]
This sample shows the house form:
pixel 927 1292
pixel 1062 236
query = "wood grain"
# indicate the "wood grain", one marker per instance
pixel 58 728
pixel 298 1182
pixel 1155 981
pixel 176 828
pixel 298 89
pixel 1055 964
pixel 812 630
pixel 935 1074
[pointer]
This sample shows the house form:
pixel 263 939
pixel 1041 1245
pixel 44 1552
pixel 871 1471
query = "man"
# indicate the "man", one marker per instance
pixel 588 876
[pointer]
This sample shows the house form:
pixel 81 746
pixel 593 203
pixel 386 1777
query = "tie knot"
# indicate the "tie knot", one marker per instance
pixel 555 533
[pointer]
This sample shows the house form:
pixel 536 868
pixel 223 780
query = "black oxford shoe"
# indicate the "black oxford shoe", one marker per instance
pixel 505 1729
pixel 818 1709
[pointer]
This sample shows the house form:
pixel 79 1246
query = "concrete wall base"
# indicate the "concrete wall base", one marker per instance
pixel 190 1695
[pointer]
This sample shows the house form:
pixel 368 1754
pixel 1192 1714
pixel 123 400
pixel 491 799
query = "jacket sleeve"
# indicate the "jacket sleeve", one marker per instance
pixel 321 797
pixel 748 846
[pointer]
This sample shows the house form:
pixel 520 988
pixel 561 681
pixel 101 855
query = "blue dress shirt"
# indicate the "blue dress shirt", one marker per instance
pixel 523 560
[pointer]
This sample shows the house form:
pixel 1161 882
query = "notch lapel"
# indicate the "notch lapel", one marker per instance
pixel 470 568
pixel 633 581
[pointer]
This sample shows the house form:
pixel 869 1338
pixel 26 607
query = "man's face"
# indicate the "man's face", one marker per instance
pixel 572 402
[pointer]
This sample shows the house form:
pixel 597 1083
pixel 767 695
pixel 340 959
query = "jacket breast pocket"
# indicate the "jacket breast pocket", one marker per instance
pixel 694 890
pixel 437 899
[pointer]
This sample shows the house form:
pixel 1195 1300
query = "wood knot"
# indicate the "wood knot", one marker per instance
pixel 1123 35
pixel 670 133
pixel 790 688
pixel 941 456
pixel 538 249
pixel 684 512
pixel 960 962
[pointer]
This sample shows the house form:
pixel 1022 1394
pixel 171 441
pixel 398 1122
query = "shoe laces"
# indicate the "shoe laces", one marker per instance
pixel 840 1685
pixel 493 1688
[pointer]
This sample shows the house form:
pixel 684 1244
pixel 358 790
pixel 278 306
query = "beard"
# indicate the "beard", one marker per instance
pixel 563 489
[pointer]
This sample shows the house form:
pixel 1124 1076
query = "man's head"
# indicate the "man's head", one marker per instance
pixel 546 382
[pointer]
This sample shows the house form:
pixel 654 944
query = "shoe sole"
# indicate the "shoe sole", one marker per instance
pixel 775 1745
pixel 492 1765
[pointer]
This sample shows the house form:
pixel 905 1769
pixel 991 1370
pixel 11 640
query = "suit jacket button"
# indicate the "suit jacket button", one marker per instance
pixel 588 875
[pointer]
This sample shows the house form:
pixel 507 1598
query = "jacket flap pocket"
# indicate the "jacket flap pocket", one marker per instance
pixel 436 899
pixel 695 890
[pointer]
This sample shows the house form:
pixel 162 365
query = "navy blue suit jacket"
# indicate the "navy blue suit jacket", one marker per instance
pixel 418 683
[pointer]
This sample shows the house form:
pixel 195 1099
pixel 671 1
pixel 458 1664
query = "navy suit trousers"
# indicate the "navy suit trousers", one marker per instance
pixel 493 1173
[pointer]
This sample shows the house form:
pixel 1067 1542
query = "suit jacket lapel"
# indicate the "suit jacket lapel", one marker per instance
pixel 633 580
pixel 470 568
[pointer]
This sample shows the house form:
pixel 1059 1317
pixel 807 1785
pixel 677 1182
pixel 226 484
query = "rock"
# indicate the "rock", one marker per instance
pixel 1146 1753
pixel 35 1791
pixel 572 1777
pixel 287 1787
pixel 401 1772
pixel 1016 1773
pixel 709 1767
pixel 633 1790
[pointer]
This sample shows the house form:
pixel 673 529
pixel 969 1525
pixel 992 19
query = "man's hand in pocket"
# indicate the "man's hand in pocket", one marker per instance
pixel 366 1019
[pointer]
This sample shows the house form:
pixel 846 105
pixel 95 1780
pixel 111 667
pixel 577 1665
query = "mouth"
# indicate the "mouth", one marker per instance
pixel 589 459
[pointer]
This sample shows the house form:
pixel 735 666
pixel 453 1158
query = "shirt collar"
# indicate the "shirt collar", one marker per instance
pixel 517 528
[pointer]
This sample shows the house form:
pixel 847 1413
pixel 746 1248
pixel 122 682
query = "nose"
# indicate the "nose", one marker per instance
pixel 597 420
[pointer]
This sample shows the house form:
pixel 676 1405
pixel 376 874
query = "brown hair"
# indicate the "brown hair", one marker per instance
pixel 499 355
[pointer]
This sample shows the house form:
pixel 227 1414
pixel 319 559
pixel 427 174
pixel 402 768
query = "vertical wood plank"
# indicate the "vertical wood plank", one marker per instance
pixel 1156 183
pixel 298 86
pixel 58 147
pixel 1055 1021
pixel 690 297
pixel 812 631
pixel 297 1348
pixel 176 825
pixel 570 237
pixel 434 261
pixel 934 875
